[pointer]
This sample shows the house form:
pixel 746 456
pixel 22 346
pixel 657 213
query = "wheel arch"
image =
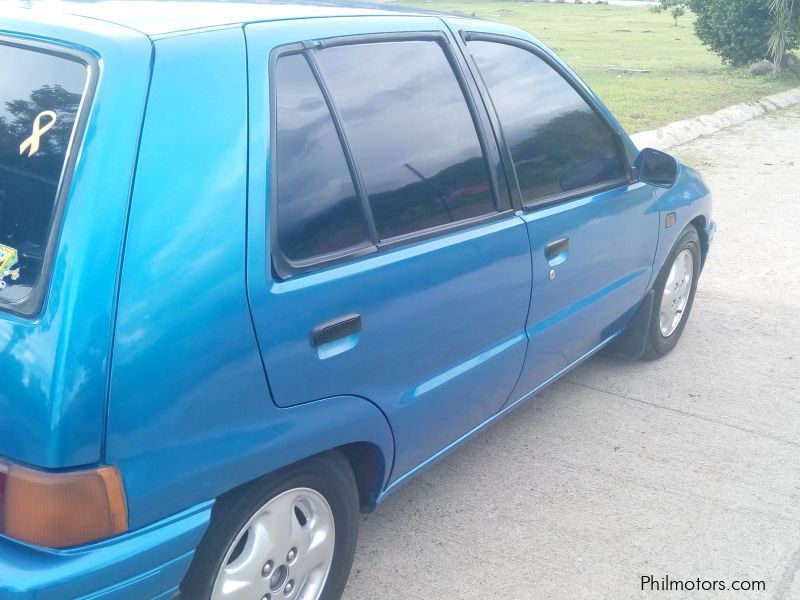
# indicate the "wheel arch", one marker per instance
pixel 350 426
pixel 370 470
pixel 366 459
pixel 631 344
pixel 258 440
pixel 356 429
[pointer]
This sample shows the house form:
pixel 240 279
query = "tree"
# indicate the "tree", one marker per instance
pixel 783 32
pixel 738 30
pixel 677 8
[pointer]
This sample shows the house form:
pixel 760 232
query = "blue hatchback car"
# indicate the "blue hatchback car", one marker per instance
pixel 263 263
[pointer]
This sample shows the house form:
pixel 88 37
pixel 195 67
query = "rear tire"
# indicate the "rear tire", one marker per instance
pixel 675 288
pixel 258 541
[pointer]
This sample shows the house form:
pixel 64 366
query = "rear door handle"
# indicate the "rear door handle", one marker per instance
pixel 335 329
pixel 556 252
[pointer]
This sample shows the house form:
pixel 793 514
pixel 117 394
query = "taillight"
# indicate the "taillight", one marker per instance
pixel 3 471
pixel 57 510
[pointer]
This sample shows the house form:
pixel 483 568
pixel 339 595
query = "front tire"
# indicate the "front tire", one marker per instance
pixel 290 535
pixel 675 289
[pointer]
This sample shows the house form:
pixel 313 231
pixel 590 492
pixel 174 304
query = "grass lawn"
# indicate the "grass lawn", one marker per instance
pixel 685 79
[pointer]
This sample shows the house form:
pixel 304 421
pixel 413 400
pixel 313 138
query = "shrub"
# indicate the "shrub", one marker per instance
pixel 737 30
pixel 782 31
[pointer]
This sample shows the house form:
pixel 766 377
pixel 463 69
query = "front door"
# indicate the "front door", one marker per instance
pixel 593 234
pixel 398 272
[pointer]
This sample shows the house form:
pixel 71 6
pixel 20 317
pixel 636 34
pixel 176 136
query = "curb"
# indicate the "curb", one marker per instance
pixel 687 130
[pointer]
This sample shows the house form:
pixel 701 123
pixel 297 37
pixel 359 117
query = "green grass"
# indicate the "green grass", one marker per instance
pixel 685 78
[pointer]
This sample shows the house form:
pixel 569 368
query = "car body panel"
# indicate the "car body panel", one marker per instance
pixel 591 296
pixel 398 482
pixel 588 293
pixel 410 298
pixel 55 367
pixel 144 564
pixel 690 200
pixel 188 390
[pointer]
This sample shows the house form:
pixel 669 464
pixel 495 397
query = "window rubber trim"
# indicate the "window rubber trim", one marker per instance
pixel 32 305
pixel 612 184
pixel 506 160
pixel 285 268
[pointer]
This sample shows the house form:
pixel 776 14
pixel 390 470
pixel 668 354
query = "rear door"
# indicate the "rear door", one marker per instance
pixel 397 270
pixel 593 234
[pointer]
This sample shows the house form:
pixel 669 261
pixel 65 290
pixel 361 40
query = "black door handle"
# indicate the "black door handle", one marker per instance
pixel 335 329
pixel 557 247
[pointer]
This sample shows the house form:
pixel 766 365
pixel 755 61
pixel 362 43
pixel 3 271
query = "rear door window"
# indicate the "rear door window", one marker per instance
pixel 40 97
pixel 411 132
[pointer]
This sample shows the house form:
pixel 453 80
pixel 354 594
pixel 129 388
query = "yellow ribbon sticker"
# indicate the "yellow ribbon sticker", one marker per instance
pixel 32 143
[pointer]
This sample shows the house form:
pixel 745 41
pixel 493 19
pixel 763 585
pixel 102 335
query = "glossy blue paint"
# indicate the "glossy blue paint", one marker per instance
pixel 577 305
pixel 432 393
pixel 586 294
pixel 55 367
pixel 690 200
pixel 488 422
pixel 140 565
pixel 186 362
pixel 188 390
pixel 337 347
pixel 409 298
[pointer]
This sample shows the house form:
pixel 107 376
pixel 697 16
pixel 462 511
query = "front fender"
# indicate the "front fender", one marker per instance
pixel 691 201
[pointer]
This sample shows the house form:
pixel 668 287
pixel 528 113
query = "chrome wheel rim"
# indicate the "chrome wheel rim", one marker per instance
pixel 676 293
pixel 284 551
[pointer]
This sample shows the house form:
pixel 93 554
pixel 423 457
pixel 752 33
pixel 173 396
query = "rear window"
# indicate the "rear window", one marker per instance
pixel 40 96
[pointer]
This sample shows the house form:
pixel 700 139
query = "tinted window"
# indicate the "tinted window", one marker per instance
pixel 411 132
pixel 39 98
pixel 318 209
pixel 558 143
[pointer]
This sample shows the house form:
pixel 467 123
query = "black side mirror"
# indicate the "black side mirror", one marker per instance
pixel 657 168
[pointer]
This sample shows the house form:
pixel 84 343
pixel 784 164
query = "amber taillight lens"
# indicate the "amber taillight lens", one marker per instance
pixel 64 509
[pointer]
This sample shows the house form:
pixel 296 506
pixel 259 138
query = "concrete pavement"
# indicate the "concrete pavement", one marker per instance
pixel 688 467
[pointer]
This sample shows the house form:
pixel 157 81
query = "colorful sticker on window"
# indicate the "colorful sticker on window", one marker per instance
pixel 8 259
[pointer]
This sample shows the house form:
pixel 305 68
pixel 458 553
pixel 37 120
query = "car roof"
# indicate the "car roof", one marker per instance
pixel 162 17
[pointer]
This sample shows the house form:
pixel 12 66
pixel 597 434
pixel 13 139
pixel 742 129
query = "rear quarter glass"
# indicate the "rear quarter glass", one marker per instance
pixel 41 95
